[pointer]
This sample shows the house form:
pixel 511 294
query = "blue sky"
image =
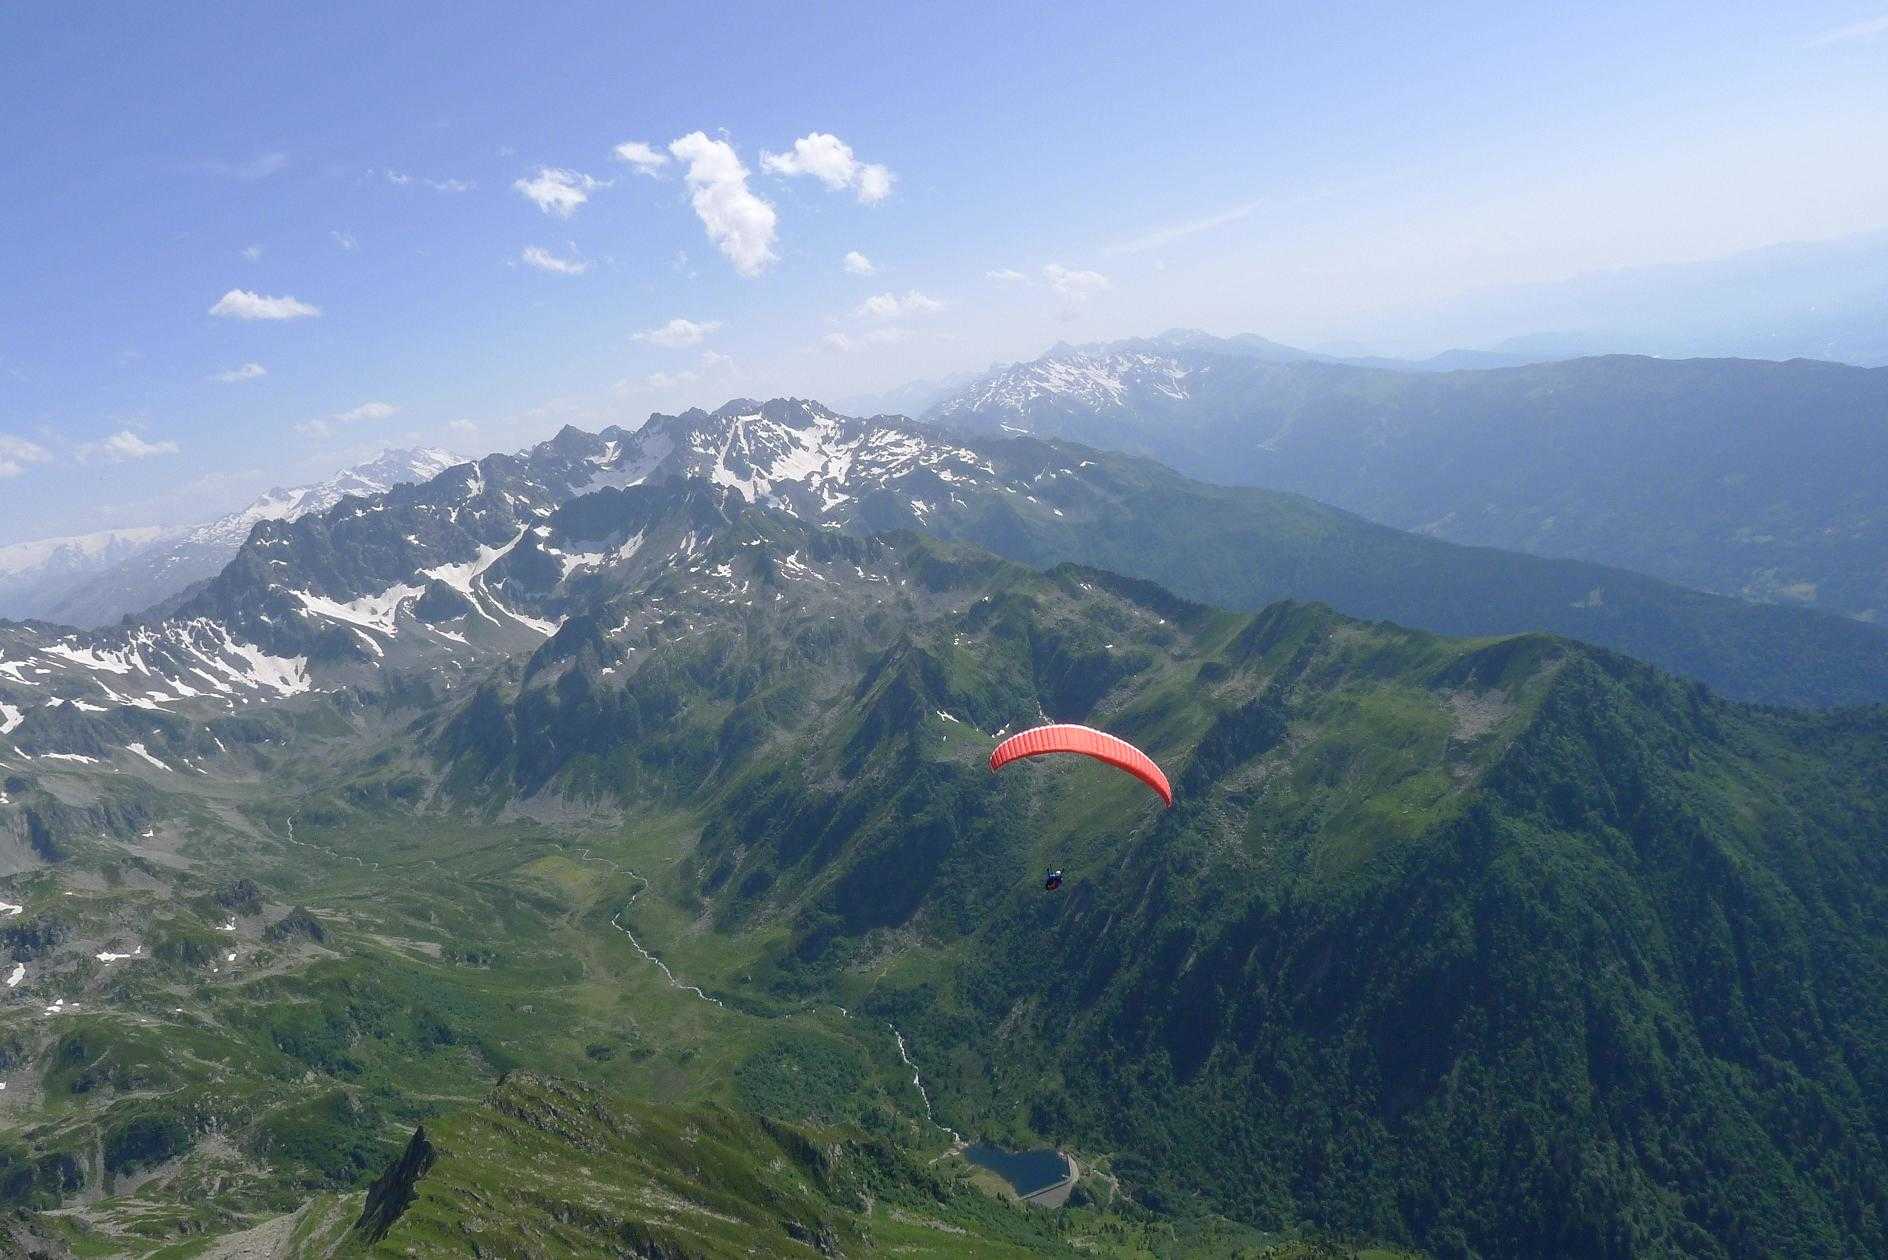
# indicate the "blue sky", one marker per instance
pixel 378 173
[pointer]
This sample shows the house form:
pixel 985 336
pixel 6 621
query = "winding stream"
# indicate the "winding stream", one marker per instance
pixel 616 921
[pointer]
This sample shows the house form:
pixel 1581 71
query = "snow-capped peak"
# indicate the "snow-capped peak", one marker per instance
pixel 130 576
pixel 1075 378
pixel 377 476
pixel 75 550
pixel 789 453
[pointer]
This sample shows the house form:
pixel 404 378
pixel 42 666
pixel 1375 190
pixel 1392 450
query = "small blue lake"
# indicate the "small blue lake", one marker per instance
pixel 1026 1171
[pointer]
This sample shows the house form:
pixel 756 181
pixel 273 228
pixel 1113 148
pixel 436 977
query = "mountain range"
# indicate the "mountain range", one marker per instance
pixel 488 558
pixel 35 575
pixel 593 847
pixel 1824 299
pixel 1747 478
pixel 95 579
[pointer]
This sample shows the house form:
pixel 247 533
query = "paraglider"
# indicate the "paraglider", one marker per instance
pixel 1088 742
pixel 1068 738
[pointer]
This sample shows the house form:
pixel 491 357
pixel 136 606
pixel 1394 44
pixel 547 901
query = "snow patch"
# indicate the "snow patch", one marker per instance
pixel 140 750
pixel 369 612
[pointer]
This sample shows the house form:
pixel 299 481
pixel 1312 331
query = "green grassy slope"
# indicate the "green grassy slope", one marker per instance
pixel 1493 946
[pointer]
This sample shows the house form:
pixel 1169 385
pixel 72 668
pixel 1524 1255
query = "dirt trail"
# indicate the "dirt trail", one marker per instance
pixel 267 1241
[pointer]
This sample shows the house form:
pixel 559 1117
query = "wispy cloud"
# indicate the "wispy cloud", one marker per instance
pixel 247 372
pixel 16 453
pixel 252 253
pixel 346 241
pixel 327 425
pixel 1076 288
pixel 831 161
pixel 846 343
pixel 1006 275
pixel 1180 231
pixel 557 191
pixel 710 366
pixel 545 260
pixel 122 446
pixel 647 159
pixel 1868 28
pixel 400 179
pixel 242 304
pixel 738 222
pixel 366 411
pixel 678 333
pixel 887 306
pixel 261 166
pixel 857 264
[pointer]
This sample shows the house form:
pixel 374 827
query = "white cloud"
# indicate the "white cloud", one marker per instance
pixel 875 183
pixel 825 157
pixel 16 453
pixel 253 253
pixel 125 445
pixel 1006 275
pixel 247 372
pixel 891 306
pixel 1075 288
pixel 1868 28
pixel 346 241
pixel 545 260
pixel 1179 231
pixel 647 161
pixel 242 304
pixel 858 264
pixel 366 411
pixel 463 428
pixel 831 161
pixel 340 419
pixel 558 191
pixel 739 222
pixel 678 333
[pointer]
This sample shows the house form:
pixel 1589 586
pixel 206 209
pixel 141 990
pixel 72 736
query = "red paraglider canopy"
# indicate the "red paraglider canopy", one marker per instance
pixel 1068 738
